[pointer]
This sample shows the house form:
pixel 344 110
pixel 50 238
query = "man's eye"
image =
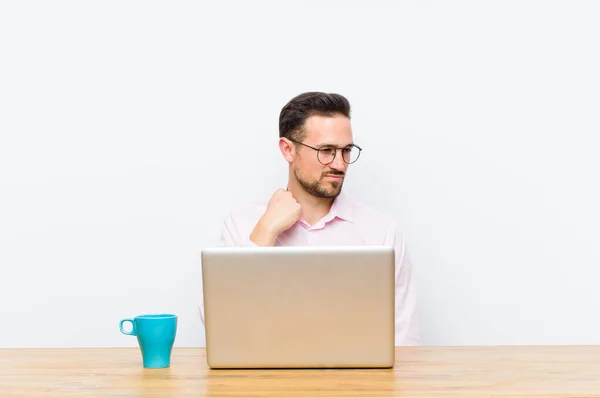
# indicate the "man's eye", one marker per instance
pixel 326 151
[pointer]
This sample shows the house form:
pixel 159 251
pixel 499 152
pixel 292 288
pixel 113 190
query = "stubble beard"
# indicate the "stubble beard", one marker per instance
pixel 319 189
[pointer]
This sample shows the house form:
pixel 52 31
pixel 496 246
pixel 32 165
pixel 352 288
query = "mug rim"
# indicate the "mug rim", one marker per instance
pixel 156 316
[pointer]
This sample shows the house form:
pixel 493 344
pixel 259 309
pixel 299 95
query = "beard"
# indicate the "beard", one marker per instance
pixel 320 189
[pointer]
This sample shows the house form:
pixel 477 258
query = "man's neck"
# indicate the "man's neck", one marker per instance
pixel 313 208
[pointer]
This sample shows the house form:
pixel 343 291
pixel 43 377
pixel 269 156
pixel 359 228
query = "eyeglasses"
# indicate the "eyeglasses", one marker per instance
pixel 326 154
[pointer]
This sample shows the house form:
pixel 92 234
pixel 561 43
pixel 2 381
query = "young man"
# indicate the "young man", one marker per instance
pixel 316 141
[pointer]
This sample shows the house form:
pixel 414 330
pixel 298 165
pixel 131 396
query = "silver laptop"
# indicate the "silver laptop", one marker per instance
pixel 299 307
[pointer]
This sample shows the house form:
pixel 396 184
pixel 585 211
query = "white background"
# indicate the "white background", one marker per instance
pixel 130 128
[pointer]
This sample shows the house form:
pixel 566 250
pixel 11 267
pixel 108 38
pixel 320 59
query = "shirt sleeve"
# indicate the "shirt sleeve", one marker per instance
pixel 407 319
pixel 231 235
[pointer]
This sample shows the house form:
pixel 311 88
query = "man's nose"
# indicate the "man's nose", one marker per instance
pixel 338 162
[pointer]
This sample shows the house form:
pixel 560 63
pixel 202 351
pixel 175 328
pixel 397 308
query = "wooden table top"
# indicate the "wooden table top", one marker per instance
pixel 555 371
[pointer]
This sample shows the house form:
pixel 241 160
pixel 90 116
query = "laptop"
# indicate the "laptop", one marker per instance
pixel 299 307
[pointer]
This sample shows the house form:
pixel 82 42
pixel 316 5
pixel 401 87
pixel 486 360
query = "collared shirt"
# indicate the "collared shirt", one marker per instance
pixel 348 223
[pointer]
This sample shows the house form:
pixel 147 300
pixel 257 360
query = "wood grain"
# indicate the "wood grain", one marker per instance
pixel 556 371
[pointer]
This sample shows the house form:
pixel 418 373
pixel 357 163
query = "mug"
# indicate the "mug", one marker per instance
pixel 155 334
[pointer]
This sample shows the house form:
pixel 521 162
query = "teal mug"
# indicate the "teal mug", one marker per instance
pixel 155 334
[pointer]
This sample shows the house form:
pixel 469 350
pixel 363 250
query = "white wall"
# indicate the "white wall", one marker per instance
pixel 130 128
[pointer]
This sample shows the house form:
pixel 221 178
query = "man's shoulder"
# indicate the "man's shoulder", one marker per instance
pixel 366 213
pixel 376 223
pixel 249 211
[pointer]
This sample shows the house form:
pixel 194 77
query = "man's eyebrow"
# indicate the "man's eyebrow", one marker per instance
pixel 345 146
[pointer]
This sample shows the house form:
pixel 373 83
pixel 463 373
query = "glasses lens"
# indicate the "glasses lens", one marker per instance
pixel 326 155
pixel 350 154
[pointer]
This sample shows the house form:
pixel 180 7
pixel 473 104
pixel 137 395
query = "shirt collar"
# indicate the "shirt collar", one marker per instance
pixel 342 208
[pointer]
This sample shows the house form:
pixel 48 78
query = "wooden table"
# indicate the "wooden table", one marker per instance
pixel 572 371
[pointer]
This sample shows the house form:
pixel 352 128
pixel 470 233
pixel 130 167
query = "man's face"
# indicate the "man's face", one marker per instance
pixel 324 181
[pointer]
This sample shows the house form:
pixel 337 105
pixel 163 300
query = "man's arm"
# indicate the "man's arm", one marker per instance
pixel 231 235
pixel 407 319
pixel 281 213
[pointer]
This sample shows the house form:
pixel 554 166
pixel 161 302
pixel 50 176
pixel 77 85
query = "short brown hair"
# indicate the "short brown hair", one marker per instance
pixel 298 109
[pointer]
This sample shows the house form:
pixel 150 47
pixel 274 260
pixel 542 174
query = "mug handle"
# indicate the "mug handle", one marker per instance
pixel 133 332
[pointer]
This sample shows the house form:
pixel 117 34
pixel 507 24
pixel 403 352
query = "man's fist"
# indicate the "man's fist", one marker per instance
pixel 282 212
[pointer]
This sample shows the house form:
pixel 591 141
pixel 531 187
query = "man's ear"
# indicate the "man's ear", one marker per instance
pixel 287 148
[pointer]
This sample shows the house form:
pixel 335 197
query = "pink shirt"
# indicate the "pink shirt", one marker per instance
pixel 348 223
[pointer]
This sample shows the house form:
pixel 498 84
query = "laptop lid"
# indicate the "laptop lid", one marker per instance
pixel 299 306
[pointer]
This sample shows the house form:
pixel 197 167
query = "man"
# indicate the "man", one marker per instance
pixel 316 140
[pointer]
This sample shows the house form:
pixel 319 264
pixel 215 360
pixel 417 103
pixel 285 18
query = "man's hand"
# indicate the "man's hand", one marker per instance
pixel 282 212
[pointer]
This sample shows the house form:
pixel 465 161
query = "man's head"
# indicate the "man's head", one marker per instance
pixel 311 126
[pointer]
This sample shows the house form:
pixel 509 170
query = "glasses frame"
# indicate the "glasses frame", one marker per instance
pixel 334 153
